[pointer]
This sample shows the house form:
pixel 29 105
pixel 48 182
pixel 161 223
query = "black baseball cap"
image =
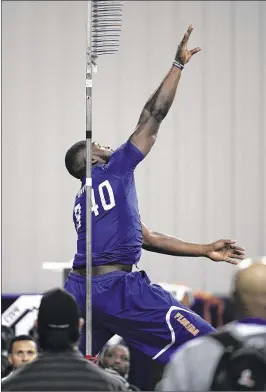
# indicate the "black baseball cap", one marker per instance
pixel 58 310
pixel 58 321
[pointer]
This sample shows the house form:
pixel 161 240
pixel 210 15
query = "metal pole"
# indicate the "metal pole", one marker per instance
pixel 88 193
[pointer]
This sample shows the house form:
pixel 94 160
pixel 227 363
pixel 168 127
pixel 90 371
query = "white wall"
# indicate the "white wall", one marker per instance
pixel 206 177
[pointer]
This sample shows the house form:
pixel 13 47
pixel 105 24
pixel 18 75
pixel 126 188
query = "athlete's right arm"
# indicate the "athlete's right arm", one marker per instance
pixel 160 102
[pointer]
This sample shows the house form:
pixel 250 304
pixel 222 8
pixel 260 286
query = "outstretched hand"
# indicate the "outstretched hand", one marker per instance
pixel 183 55
pixel 226 250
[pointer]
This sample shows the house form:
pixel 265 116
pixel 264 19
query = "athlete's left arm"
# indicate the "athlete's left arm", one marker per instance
pixel 221 250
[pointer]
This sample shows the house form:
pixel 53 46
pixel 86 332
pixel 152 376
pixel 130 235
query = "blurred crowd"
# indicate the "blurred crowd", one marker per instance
pixel 232 358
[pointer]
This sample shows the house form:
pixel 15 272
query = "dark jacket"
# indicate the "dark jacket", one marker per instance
pixel 65 371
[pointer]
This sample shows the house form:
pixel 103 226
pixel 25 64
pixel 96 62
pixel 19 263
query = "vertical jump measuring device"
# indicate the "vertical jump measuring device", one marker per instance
pixel 103 36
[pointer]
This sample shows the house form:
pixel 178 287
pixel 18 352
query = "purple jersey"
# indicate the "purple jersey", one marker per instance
pixel 116 225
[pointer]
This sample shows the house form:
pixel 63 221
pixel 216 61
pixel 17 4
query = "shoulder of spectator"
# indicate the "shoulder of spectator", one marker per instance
pixel 193 354
pixel 246 329
pixel 117 385
pixel 14 376
pixel 189 358
pixel 9 379
pixel 198 345
pixel 113 382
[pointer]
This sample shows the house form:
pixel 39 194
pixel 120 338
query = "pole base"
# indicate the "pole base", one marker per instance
pixel 91 358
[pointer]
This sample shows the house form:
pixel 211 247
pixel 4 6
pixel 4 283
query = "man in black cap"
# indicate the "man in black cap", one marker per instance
pixel 60 366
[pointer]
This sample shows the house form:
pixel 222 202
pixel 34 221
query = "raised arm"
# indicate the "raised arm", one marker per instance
pixel 160 102
pixel 221 250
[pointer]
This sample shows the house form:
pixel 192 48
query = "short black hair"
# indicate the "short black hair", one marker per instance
pixel 19 338
pixel 74 160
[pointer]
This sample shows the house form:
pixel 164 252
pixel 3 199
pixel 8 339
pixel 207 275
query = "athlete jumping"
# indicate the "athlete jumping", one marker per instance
pixel 125 302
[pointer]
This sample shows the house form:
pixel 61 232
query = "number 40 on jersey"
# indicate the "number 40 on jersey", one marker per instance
pixel 103 188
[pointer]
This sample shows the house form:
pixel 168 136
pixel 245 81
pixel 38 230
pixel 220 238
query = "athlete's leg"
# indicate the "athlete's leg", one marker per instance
pixel 145 315
pixel 76 285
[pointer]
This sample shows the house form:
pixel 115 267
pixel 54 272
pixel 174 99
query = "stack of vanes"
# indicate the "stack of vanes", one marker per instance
pixel 106 25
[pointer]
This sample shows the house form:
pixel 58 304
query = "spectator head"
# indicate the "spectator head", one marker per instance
pixel 116 357
pixel 22 350
pixel 59 323
pixel 249 293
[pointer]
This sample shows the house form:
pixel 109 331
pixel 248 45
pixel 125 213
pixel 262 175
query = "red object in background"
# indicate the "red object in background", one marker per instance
pixel 91 358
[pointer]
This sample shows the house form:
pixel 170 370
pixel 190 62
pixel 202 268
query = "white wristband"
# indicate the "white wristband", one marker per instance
pixel 178 65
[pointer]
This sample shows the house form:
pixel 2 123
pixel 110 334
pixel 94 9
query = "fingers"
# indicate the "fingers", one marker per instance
pixel 238 248
pixel 187 35
pixel 229 242
pixel 195 50
pixel 237 256
pixel 232 261
pixel 237 251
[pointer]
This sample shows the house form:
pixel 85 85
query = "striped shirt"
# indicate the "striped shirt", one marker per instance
pixel 193 366
pixel 65 371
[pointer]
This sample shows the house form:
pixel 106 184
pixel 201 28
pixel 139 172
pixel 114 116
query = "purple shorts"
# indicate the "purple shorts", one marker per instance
pixel 148 317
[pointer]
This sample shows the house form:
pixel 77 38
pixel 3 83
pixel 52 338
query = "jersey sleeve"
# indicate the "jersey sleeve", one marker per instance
pixel 124 160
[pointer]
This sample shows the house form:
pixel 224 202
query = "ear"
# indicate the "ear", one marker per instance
pixel 81 323
pixel 100 361
pixel 10 359
pixel 93 160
